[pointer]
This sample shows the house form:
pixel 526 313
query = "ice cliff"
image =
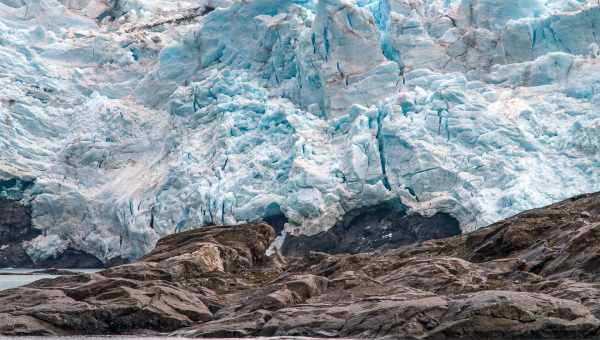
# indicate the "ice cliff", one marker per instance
pixel 124 121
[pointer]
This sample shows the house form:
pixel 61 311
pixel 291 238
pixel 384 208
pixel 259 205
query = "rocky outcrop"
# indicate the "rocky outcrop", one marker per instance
pixel 15 227
pixel 530 276
pixel 15 224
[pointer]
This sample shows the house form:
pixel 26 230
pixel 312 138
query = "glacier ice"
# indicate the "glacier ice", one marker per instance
pixel 135 119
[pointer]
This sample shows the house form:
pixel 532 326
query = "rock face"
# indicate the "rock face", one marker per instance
pixel 531 276
pixel 15 227
pixel 15 223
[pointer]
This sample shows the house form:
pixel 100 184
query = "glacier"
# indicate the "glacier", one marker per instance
pixel 123 121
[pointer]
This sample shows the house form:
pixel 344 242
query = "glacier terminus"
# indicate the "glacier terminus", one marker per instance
pixel 124 121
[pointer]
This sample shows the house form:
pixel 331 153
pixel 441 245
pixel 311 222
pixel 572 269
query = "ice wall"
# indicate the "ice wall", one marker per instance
pixel 137 119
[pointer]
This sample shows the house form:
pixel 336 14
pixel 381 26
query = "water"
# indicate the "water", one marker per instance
pixel 17 277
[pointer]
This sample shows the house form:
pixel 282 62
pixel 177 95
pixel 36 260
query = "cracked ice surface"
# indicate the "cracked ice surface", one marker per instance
pixel 158 119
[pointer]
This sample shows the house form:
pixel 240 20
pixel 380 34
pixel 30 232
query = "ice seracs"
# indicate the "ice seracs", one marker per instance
pixel 174 115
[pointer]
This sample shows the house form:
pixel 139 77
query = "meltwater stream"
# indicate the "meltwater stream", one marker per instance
pixel 16 277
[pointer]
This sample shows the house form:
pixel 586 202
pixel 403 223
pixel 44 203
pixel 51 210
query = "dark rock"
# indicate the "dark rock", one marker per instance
pixel 14 256
pixel 275 217
pixel 71 258
pixel 15 222
pixel 15 227
pixel 533 276
pixel 384 226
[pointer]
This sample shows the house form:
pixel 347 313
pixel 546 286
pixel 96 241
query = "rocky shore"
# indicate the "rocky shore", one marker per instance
pixel 534 275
